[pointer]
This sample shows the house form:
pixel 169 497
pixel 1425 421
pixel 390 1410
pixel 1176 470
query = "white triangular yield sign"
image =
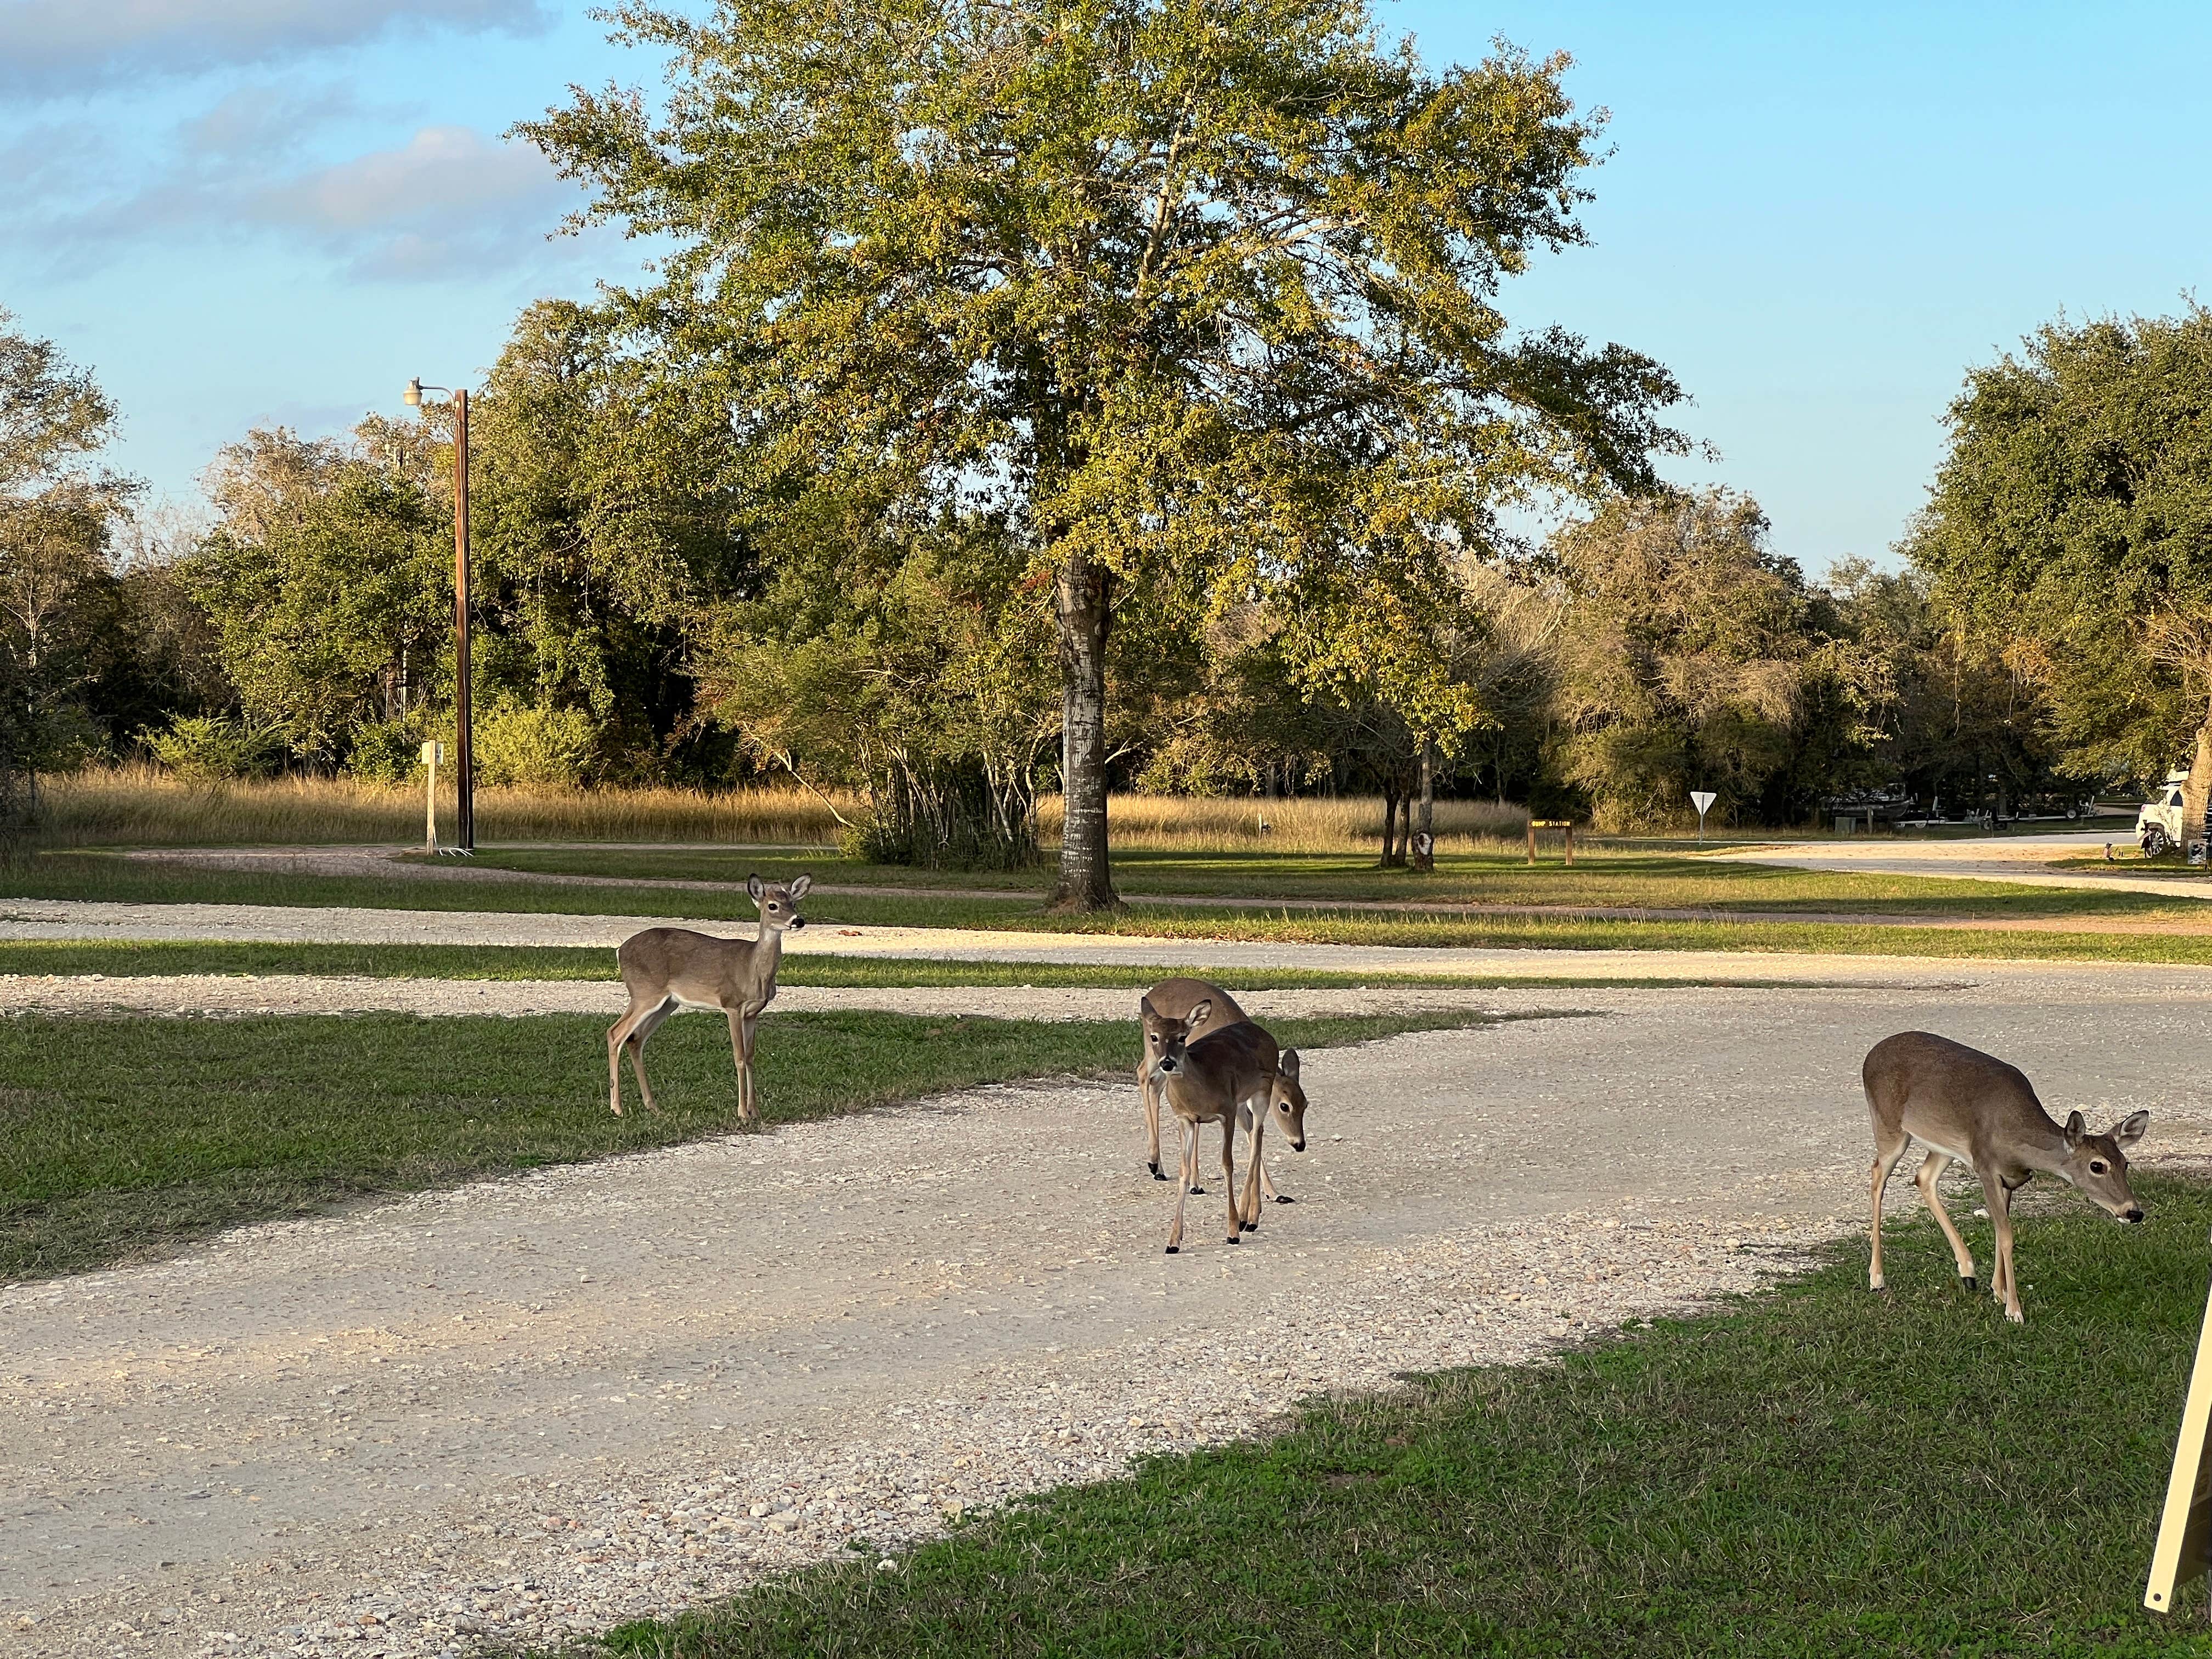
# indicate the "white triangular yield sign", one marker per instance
pixel 1702 799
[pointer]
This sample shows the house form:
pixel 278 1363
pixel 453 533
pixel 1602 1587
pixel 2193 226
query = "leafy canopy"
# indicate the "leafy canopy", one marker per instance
pixel 1201 294
pixel 2071 524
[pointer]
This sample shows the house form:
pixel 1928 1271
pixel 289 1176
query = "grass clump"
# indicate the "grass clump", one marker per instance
pixel 1815 1471
pixel 122 1138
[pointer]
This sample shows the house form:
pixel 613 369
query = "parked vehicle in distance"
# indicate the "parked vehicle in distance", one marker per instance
pixel 2158 822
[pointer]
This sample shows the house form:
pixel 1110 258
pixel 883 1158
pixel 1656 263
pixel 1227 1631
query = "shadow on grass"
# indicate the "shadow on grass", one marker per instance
pixel 1814 1471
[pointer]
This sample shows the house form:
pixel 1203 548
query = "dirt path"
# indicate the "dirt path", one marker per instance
pixel 542 1404
pixel 2016 861
pixel 308 994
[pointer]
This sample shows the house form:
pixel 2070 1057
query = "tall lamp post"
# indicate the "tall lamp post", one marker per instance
pixel 465 774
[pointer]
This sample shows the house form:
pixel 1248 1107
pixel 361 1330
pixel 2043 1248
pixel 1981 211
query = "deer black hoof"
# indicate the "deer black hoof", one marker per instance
pixel 1173 1249
pixel 1971 1282
pixel 1280 1198
pixel 1157 1175
pixel 1251 1226
pixel 1198 1190
pixel 1233 1239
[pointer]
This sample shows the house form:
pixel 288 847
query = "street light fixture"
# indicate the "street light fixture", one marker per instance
pixel 465 828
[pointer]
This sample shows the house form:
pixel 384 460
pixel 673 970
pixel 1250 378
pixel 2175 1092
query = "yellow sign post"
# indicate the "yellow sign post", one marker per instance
pixel 2185 1528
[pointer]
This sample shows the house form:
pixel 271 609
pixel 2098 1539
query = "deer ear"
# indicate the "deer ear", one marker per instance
pixel 1287 1062
pixel 2130 1129
pixel 1201 1013
pixel 798 887
pixel 1144 1009
pixel 2074 1130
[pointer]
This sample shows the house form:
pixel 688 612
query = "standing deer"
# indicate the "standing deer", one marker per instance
pixel 1176 998
pixel 1970 1107
pixel 1179 998
pixel 665 968
pixel 1215 1079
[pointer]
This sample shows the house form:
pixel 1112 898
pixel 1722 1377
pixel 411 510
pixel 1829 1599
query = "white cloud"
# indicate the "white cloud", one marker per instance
pixel 450 194
pixel 449 201
pixel 60 46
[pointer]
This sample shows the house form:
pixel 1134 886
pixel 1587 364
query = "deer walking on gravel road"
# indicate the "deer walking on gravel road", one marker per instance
pixel 1219 1077
pixel 1177 999
pixel 1971 1108
pixel 666 968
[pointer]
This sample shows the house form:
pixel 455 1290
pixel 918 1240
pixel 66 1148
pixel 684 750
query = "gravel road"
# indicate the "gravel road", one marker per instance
pixel 304 994
pixel 542 1404
pixel 2019 860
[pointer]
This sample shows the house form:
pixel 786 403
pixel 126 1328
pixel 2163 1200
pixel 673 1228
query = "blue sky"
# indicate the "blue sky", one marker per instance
pixel 243 212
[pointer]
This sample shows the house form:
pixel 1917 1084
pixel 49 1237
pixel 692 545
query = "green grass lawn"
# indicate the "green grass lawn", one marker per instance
pixel 1814 1471
pixel 94 876
pixel 122 1138
pixel 141 958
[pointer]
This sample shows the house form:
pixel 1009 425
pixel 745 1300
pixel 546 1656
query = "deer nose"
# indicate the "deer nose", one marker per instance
pixel 797 921
pixel 1297 1145
pixel 1167 1064
pixel 2132 1214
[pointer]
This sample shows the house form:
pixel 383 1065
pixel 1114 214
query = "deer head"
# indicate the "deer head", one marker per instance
pixel 1166 1038
pixel 778 901
pixel 1288 1099
pixel 2098 1164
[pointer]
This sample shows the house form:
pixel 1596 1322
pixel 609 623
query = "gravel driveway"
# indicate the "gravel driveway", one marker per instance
pixel 543 1405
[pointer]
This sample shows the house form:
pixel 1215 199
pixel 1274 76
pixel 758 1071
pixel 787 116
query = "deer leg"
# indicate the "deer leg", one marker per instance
pixel 629 1032
pixel 2007 1288
pixel 1229 1174
pixel 1148 1097
pixel 618 1034
pixel 1885 1160
pixel 1185 1152
pixel 1252 1174
pixel 1931 1171
pixel 741 1045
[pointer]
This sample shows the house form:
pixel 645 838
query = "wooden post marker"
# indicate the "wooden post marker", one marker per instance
pixel 1567 824
pixel 2185 1527
pixel 432 754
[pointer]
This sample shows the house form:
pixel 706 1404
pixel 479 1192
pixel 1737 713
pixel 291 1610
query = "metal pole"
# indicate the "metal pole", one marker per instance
pixel 430 807
pixel 465 828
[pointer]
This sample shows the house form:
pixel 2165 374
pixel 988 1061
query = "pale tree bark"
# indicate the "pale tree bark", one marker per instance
pixel 1425 849
pixel 2197 794
pixel 1084 593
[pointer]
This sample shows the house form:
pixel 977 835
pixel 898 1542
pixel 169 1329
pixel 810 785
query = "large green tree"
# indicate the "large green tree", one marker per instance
pixel 1694 657
pixel 1195 296
pixel 59 505
pixel 2070 527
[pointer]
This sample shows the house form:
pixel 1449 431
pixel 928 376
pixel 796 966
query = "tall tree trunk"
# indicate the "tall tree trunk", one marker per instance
pixel 1425 850
pixel 2197 794
pixel 1083 591
pixel 1394 857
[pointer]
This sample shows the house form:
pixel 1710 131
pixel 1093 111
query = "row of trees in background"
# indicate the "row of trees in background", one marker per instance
pixel 1084 394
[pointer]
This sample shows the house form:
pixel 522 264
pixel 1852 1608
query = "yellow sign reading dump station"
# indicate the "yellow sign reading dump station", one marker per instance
pixel 2185 1528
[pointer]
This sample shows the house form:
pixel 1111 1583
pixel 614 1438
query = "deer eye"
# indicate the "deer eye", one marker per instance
pixel 2096 1166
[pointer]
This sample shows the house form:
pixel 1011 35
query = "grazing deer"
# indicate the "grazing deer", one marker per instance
pixel 1215 1079
pixel 1970 1107
pixel 665 968
pixel 1177 999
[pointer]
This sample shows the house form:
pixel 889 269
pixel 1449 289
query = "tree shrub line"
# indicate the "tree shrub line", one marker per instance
pixel 1074 395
